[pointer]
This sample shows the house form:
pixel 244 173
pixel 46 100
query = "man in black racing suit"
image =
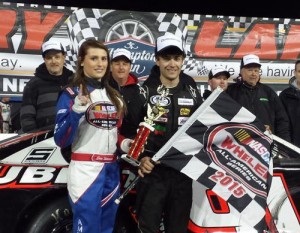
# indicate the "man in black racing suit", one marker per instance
pixel 164 192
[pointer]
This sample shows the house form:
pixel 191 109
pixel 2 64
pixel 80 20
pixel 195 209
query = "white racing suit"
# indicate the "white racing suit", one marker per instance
pixel 93 174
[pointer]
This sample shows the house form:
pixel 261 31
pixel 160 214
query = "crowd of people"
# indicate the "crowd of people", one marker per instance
pixel 96 112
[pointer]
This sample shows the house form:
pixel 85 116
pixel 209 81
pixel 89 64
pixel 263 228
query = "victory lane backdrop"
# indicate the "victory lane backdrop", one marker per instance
pixel 209 40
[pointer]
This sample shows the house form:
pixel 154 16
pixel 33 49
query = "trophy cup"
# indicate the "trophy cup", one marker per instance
pixel 145 128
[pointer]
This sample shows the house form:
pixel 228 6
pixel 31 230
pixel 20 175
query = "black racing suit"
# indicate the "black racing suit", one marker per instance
pixel 166 192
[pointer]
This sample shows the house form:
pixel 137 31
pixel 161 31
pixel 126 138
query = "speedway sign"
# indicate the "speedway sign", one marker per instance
pixel 209 40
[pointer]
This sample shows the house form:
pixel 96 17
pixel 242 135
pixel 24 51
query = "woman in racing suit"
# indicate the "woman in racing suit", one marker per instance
pixel 89 113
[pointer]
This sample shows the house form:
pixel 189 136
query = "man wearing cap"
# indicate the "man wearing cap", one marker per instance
pixel 38 110
pixel 259 98
pixel 128 86
pixel 164 191
pixel 217 77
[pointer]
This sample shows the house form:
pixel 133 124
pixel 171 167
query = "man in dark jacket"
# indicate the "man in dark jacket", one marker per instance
pixel 290 98
pixel 164 191
pixel 260 99
pixel 38 110
pixel 128 86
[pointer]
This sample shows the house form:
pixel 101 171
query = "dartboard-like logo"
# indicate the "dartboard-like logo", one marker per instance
pixel 161 101
pixel 102 115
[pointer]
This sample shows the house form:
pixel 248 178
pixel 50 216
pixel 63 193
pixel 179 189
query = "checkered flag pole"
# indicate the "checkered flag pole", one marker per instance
pixel 82 24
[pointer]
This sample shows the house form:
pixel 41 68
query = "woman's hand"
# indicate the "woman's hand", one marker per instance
pixel 81 102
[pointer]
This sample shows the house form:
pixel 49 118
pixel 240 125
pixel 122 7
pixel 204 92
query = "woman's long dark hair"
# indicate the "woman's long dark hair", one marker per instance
pixel 78 80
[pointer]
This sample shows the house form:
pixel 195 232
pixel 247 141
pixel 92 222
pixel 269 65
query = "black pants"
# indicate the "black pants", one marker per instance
pixel 164 193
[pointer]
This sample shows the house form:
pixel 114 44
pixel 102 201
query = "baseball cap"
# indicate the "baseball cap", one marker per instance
pixel 218 70
pixel 166 42
pixel 121 53
pixel 250 59
pixel 52 45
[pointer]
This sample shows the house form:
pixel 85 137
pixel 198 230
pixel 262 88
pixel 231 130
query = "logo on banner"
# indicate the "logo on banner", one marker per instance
pixel 142 55
pixel 242 152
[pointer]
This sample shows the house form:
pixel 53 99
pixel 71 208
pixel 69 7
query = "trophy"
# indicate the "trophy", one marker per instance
pixel 145 128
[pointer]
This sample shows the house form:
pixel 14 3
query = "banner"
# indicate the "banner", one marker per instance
pixel 209 40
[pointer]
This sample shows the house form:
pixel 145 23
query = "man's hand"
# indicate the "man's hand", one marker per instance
pixel 146 166
pixel 126 144
pixel 268 129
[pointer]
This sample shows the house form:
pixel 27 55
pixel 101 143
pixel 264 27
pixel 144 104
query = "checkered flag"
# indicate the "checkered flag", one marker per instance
pixel 210 148
pixel 71 58
pixel 239 21
pixel 202 70
pixel 172 24
pixel 190 64
pixel 82 24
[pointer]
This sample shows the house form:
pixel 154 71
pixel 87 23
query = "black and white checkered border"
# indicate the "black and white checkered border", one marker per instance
pixel 82 24
pixel 19 5
pixel 233 21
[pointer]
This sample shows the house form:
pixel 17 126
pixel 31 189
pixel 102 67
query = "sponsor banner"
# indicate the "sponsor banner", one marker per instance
pixel 209 40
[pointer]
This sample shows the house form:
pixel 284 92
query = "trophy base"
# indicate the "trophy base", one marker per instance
pixel 130 160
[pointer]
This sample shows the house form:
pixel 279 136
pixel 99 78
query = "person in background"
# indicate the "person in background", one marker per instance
pixel 217 77
pixel 164 191
pixel 5 114
pixel 259 98
pixel 290 98
pixel 127 84
pixel 40 94
pixel 15 106
pixel 89 113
